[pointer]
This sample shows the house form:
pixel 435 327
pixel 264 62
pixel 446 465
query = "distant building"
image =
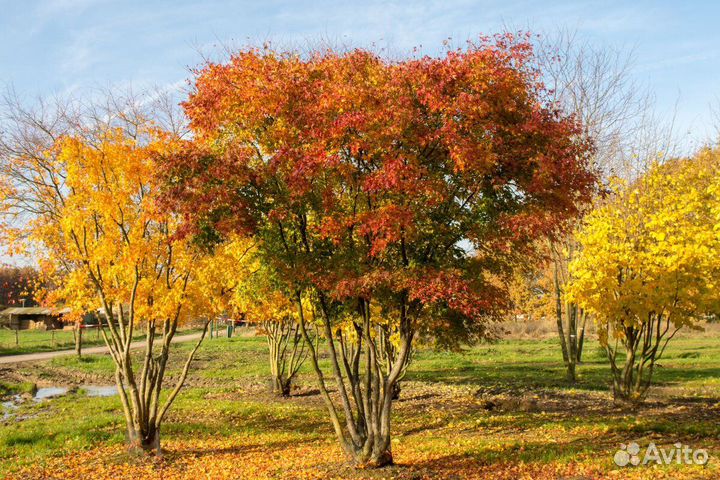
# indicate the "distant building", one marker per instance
pixel 24 318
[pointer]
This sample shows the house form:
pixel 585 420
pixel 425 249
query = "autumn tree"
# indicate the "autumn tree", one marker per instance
pixel 377 190
pixel 79 194
pixel 595 85
pixel 235 282
pixel 275 315
pixel 648 267
pixel 18 286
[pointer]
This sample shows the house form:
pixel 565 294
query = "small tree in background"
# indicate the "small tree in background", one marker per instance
pixel 648 265
pixel 234 280
pixel 539 293
pixel 262 303
pixel 287 351
pixel 405 187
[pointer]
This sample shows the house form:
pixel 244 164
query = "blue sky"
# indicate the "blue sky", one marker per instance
pixel 55 46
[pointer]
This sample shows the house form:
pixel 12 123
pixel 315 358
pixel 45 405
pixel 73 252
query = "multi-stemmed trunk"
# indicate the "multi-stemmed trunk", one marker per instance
pixel 287 352
pixel 643 345
pixel 365 387
pixel 572 336
pixel 569 317
pixel 388 353
pixel 140 388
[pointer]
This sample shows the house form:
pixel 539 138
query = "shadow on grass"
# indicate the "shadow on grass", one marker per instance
pixel 592 375
pixel 528 375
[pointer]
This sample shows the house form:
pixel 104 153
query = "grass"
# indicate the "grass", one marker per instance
pixel 98 364
pixel 9 388
pixel 61 426
pixel 692 362
pixel 34 341
pixel 226 422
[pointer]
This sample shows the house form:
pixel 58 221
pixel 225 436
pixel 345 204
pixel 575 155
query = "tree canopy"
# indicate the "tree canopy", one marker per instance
pixel 408 185
pixel 648 260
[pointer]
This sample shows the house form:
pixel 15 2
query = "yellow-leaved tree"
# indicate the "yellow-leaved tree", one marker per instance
pixel 648 265
pixel 235 280
pixel 264 304
pixel 82 201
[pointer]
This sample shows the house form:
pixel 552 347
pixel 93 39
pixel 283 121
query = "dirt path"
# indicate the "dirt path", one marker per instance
pixel 33 357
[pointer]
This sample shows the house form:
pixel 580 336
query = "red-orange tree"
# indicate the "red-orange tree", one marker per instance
pixel 387 196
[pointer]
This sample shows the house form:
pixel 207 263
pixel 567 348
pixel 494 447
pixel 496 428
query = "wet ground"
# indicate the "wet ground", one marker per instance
pixel 11 404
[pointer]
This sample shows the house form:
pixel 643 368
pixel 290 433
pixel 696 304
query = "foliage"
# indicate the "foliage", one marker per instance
pixel 648 264
pixel 223 276
pixel 408 187
pixel 18 285
pixel 85 206
pixel 235 283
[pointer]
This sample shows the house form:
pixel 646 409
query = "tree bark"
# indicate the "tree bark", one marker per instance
pixel 145 440
pixel 78 340
pixel 139 390
pixel 643 346
pixel 365 387
pixel 286 353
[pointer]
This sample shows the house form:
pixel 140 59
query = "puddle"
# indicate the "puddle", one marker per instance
pixel 50 392
pixel 100 390
pixel 8 407
pixel 90 391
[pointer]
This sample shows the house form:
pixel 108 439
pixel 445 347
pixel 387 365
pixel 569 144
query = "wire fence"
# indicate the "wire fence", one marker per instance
pixel 16 342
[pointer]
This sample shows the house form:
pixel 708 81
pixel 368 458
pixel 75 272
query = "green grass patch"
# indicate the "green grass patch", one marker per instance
pixel 35 341
pixel 58 427
pixel 8 388
pixel 102 364
pixel 437 415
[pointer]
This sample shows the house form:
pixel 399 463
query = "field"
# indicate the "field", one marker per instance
pixel 497 410
pixel 33 341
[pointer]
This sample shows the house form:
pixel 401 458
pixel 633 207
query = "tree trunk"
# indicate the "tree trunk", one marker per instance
pixel 644 346
pixel 581 338
pixel 565 343
pixel 78 341
pixel 140 384
pixel 571 310
pixel 365 384
pixel 396 391
pixel 145 440
pixel 286 352
pixel 281 386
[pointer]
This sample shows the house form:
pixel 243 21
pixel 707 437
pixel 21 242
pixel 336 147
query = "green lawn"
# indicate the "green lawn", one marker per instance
pixel 33 341
pixel 227 415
